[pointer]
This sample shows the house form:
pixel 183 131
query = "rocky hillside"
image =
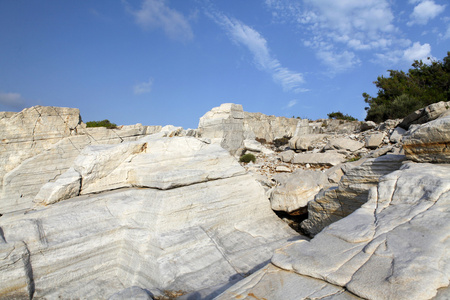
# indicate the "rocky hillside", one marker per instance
pixel 329 209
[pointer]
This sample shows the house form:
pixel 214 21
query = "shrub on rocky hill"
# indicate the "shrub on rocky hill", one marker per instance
pixel 105 123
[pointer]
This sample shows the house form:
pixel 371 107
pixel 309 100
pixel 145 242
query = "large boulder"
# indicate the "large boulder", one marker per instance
pixel 396 246
pixel 157 213
pixel 335 203
pixel 343 144
pixel 426 114
pixel 295 192
pixel 269 128
pixel 307 141
pixel 224 125
pixel 429 142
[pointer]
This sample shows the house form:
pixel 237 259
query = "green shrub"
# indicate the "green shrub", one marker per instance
pixel 104 123
pixel 281 141
pixel 340 116
pixel 401 93
pixel 246 158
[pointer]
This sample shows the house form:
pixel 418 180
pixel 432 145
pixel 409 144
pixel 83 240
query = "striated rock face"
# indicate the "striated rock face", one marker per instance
pixel 157 213
pixel 270 127
pixel 297 190
pixel 429 142
pixel 335 203
pixel 426 114
pixel 394 247
pixel 21 184
pixel 32 131
pixel 224 125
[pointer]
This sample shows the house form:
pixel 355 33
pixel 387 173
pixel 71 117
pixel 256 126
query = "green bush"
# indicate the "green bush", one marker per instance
pixel 104 123
pixel 404 92
pixel 340 116
pixel 246 158
pixel 281 141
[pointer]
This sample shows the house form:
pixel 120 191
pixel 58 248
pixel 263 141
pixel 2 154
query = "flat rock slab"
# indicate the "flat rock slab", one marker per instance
pixel 323 159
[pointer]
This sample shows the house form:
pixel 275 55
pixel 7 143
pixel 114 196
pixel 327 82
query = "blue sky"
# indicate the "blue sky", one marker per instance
pixel 160 62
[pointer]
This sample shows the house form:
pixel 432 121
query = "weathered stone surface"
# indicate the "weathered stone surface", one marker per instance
pixel 374 140
pixel 397 135
pixel 274 283
pixel 298 190
pixel 394 247
pixel 224 125
pixel 287 156
pixel 283 169
pixel 324 159
pixel 32 131
pixel 343 144
pixel 20 185
pixel 335 203
pixel 133 292
pixel 426 114
pixel 367 125
pixel 261 126
pixel 305 142
pixel 174 223
pixel 256 146
pixel 68 185
pixel 429 142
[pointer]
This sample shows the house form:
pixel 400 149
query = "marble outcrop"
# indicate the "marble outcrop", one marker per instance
pixel 394 247
pixel 155 213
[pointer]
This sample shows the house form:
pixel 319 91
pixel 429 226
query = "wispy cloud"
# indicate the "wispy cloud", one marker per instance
pixel 155 14
pixel 338 30
pixel 13 100
pixel 143 87
pixel 425 11
pixel 243 34
pixel 290 104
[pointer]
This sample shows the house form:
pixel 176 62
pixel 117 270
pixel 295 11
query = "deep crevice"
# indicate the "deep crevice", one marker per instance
pixel 294 218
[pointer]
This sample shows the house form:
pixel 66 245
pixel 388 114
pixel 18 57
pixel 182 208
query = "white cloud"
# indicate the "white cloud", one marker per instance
pixel 244 35
pixel 446 35
pixel 143 87
pixel 338 62
pixel 336 29
pixel 14 100
pixel 417 52
pixel 425 11
pixel 291 103
pixel 156 14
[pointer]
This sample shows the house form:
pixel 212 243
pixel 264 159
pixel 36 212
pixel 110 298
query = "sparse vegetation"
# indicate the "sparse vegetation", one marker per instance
pixel 246 158
pixel 104 123
pixel 402 93
pixel 281 141
pixel 340 116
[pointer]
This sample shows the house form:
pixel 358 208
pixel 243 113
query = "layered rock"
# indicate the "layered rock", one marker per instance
pixel 268 128
pixel 32 131
pixel 299 188
pixel 335 203
pixel 21 184
pixel 224 125
pixel 394 247
pixel 429 142
pixel 157 213
pixel 426 114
